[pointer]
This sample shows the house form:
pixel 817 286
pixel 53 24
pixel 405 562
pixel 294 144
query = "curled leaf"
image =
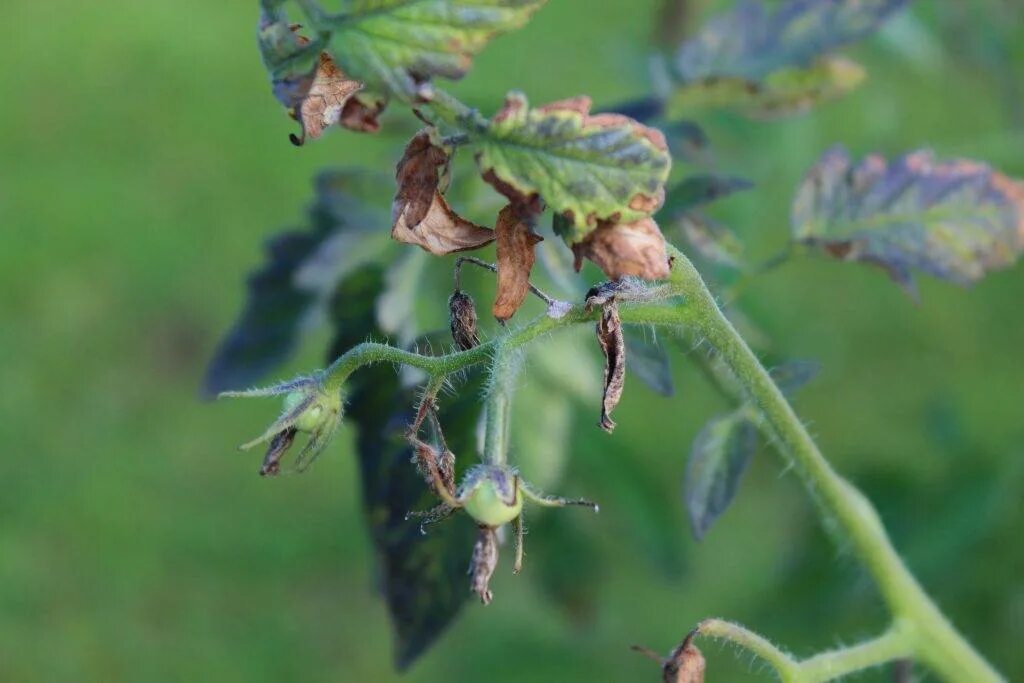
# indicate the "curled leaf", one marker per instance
pixel 954 219
pixel 419 212
pixel 361 112
pixel 483 564
pixel 324 102
pixel 621 249
pixel 609 336
pixel 587 167
pixel 516 240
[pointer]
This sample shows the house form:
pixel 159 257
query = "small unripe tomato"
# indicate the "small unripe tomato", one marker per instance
pixel 487 505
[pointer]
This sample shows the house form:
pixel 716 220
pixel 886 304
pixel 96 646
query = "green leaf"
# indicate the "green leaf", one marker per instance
pixel 793 375
pixel 698 190
pixel 954 219
pixel 719 456
pixel 287 295
pixel 712 240
pixel 421 577
pixel 587 167
pixel 774 62
pixel 647 360
pixel 394 45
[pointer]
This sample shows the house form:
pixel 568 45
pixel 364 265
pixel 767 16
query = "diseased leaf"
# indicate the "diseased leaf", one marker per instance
pixel 396 45
pixel 647 360
pixel 699 190
pixel 621 249
pixel 609 336
pixel 719 456
pixel 419 213
pixel 421 577
pixel 288 294
pixel 774 62
pixel 712 240
pixel 516 240
pixel 793 375
pixel 590 168
pixel 954 219
pixel 323 104
pixel 782 93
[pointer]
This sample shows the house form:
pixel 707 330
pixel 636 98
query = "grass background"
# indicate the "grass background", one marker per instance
pixel 142 162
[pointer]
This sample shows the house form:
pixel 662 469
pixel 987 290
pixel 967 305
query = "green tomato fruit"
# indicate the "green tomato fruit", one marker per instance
pixel 487 506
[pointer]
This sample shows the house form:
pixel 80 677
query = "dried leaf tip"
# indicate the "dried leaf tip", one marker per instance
pixel 624 249
pixel 420 215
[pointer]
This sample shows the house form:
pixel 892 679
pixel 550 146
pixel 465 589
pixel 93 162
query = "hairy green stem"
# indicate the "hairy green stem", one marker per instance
pixel 369 353
pixel 507 362
pixel 848 513
pixel 891 645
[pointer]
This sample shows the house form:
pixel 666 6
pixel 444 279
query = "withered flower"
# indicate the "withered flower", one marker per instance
pixel 462 320
pixel 308 407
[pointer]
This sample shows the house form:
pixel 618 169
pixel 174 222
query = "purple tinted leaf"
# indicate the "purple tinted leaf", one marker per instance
pixel 301 269
pixel 954 219
pixel 422 577
pixel 712 240
pixel 718 458
pixel 751 43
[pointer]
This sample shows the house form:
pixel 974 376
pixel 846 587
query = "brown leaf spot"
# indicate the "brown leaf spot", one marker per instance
pixel 513 105
pixel 516 240
pixel 648 203
pixel 325 100
pixel 609 336
pixel 621 249
pixel 420 214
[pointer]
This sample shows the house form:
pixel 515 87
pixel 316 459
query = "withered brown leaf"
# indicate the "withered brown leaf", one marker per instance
pixel 621 249
pixel 609 336
pixel 516 240
pixel 419 213
pixel 361 112
pixel 324 102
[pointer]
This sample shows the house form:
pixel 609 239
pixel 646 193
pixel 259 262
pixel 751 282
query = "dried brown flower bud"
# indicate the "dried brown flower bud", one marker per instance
pixel 462 318
pixel 685 664
pixel 485 559
pixel 279 445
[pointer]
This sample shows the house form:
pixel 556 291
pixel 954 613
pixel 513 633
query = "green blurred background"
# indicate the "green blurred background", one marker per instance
pixel 142 162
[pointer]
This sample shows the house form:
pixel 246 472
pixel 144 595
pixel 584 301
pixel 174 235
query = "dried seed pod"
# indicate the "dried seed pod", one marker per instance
pixel 609 335
pixel 485 559
pixel 462 318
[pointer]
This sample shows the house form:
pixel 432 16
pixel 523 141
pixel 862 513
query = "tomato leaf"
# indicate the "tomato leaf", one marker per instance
pixel 287 295
pixel 954 219
pixel 422 577
pixel 588 167
pixel 774 62
pixel 719 456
